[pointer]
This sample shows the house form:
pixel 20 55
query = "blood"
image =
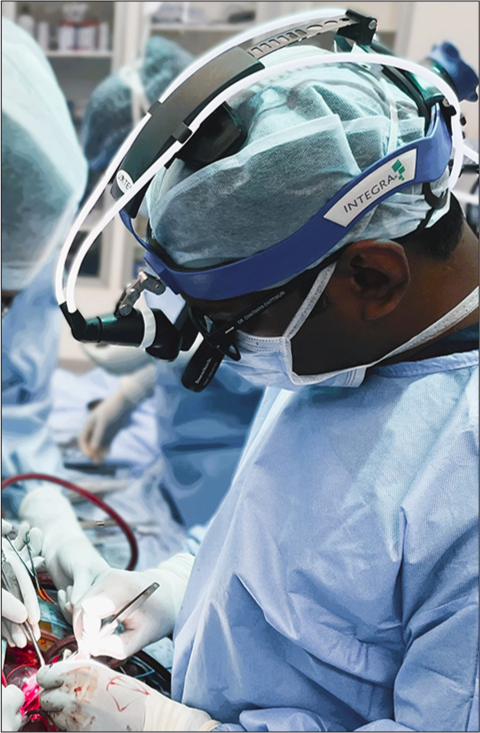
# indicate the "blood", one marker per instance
pixel 125 683
pixel 21 671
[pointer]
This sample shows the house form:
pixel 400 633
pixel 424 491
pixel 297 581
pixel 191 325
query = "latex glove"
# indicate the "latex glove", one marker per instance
pixel 87 695
pixel 152 621
pixel 70 557
pixel 14 611
pixel 12 700
pixel 113 414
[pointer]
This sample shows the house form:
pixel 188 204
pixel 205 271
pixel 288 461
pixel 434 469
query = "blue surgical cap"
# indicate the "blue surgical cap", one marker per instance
pixel 43 170
pixel 108 118
pixel 310 132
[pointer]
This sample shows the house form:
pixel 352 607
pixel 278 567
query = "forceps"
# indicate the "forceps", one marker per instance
pixel 111 623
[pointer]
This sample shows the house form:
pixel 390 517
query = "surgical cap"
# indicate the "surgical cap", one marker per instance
pixel 310 132
pixel 108 119
pixel 43 169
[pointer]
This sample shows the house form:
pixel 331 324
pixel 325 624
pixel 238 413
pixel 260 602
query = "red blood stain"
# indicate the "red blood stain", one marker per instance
pixel 124 684
pixel 77 689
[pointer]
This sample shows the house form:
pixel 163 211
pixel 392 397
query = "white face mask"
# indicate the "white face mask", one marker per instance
pixel 268 361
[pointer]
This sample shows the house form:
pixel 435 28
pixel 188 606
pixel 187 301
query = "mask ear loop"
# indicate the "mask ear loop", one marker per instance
pixel 306 308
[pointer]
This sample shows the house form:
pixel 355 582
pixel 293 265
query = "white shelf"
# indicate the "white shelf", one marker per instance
pixel 200 27
pixel 80 54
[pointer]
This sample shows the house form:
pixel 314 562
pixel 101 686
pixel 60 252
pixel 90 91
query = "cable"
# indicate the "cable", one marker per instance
pixel 90 204
pixel 90 497
pixel 266 28
pixel 48 636
pixel 59 646
pixel 164 674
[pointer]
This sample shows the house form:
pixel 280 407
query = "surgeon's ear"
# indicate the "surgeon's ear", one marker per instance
pixel 377 275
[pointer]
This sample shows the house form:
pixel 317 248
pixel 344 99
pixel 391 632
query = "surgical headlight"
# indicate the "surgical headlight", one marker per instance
pixel 192 120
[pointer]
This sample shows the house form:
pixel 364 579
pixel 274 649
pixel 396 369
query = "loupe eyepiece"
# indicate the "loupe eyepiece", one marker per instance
pixel 126 331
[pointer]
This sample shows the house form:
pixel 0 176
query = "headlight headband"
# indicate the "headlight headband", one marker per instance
pixel 203 88
pixel 200 94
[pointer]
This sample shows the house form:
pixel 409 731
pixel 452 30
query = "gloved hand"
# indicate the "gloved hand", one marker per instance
pixel 14 611
pixel 113 414
pixel 152 621
pixel 70 557
pixel 87 695
pixel 12 700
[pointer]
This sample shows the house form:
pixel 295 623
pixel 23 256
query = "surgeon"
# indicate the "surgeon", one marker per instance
pixel 336 588
pixel 199 437
pixel 43 179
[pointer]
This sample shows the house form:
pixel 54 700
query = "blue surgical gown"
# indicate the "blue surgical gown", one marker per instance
pixel 197 441
pixel 336 588
pixel 30 335
pixel 201 436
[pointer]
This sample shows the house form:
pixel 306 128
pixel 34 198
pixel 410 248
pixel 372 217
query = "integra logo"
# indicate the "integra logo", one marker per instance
pixel 371 193
pixel 124 181
pixel 383 180
pixel 399 168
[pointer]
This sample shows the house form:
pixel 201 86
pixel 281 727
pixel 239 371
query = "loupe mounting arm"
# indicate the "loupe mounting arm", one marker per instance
pixel 134 290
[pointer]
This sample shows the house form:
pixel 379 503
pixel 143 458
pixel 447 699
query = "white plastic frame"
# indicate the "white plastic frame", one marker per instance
pixel 314 60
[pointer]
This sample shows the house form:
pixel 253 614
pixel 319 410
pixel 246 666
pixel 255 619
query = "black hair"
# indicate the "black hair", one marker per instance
pixel 438 241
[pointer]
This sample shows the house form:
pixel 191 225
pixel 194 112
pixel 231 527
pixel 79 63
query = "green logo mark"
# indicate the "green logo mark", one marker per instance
pixel 399 168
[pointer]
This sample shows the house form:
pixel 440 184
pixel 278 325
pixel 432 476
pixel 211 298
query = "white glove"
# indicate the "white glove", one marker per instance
pixel 113 414
pixel 12 700
pixel 14 611
pixel 70 557
pixel 151 622
pixel 87 695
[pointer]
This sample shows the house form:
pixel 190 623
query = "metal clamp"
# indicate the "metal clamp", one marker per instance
pixel 134 290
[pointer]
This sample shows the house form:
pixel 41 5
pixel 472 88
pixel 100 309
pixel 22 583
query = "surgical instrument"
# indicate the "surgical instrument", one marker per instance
pixel 10 583
pixel 111 623
pixel 32 570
